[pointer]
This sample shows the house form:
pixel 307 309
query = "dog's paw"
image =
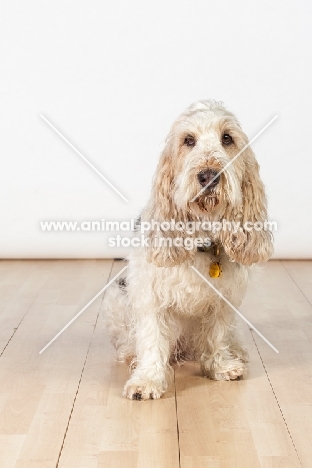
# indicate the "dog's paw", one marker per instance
pixel 230 370
pixel 143 390
pixel 234 374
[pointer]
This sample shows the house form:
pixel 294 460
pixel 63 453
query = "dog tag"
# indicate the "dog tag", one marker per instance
pixel 215 270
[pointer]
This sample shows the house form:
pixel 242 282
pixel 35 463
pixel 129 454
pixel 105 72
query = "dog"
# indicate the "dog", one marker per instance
pixel 163 311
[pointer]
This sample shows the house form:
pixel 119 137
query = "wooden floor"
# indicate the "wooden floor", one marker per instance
pixel 63 408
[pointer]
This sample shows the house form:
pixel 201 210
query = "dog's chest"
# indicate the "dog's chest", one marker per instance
pixel 189 294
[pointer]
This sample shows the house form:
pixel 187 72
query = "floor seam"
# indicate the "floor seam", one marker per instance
pixel 73 405
pixel 176 408
pixel 276 399
pixel 18 325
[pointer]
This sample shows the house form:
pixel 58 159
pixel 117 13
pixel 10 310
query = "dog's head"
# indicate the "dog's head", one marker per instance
pixel 208 171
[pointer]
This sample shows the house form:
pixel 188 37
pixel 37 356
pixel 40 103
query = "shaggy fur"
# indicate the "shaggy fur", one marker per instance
pixel 164 311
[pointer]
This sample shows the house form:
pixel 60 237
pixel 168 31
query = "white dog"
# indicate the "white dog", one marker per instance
pixel 163 311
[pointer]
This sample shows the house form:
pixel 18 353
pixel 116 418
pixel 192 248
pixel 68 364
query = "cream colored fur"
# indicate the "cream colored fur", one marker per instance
pixel 167 311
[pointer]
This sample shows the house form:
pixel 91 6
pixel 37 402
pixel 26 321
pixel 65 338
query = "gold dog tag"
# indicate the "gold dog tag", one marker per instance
pixel 215 270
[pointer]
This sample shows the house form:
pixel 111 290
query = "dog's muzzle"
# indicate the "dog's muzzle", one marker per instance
pixel 209 176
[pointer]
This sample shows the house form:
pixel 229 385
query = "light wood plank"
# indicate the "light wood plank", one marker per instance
pixel 230 424
pixel 264 420
pixel 300 272
pixel 40 389
pixel 10 448
pixel 117 459
pixel 107 430
pixel 20 283
pixel 286 319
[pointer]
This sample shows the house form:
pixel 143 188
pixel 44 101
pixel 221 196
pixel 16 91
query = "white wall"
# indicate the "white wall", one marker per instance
pixel 112 76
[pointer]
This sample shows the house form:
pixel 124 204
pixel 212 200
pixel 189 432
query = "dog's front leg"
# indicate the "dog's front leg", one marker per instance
pixel 223 357
pixel 152 372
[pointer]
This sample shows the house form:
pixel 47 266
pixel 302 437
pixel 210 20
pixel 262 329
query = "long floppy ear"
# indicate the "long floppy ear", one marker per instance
pixel 166 247
pixel 253 242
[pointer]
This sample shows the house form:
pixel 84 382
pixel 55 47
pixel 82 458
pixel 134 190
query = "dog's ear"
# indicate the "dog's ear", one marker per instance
pixel 251 243
pixel 164 249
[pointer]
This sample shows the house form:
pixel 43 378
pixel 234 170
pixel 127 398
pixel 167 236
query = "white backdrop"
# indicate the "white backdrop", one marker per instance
pixel 112 76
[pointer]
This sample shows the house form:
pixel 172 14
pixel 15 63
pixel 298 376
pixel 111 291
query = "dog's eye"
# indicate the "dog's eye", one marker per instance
pixel 189 141
pixel 227 139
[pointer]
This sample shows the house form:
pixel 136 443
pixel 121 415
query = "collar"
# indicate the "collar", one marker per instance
pixel 214 247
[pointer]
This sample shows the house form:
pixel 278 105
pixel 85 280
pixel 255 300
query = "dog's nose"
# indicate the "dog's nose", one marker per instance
pixel 209 176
